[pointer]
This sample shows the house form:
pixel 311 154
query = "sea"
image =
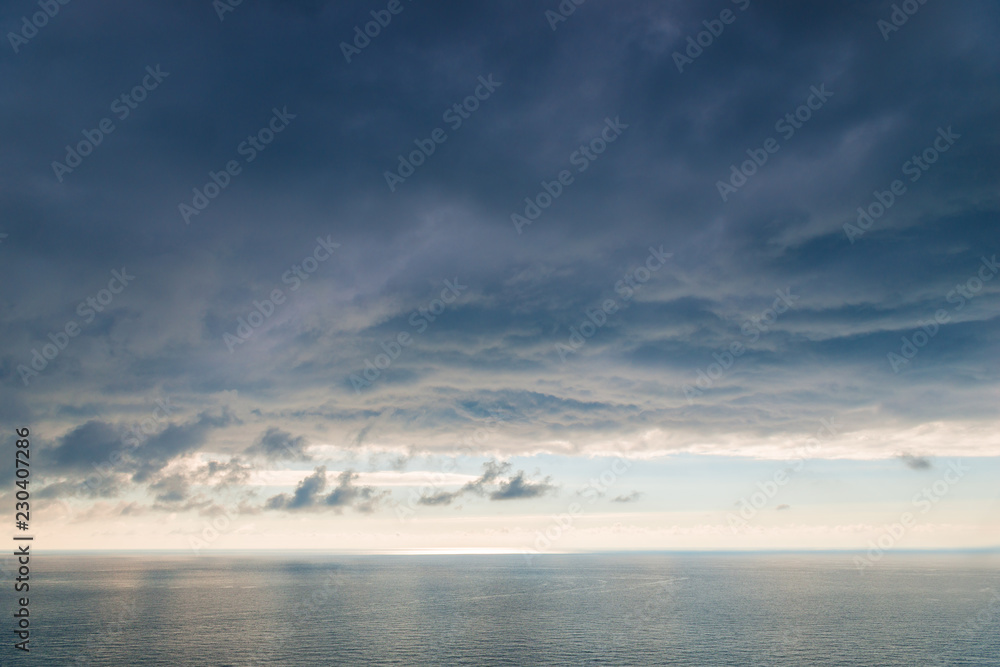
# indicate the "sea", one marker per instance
pixel 575 609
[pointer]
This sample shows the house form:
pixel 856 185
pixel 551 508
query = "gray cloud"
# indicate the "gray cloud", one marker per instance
pixel 171 489
pixel 309 494
pixel 655 186
pixel 491 483
pixel 277 444
pixel 518 487
pixel 915 462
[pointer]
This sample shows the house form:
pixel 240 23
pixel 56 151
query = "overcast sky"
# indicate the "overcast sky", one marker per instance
pixel 420 289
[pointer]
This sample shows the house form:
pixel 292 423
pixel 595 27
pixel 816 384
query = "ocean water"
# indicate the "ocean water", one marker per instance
pixel 648 609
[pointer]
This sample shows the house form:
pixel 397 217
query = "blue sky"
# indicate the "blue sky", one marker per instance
pixel 506 248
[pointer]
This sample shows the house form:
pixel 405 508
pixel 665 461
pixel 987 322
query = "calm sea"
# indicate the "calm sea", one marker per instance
pixel 663 609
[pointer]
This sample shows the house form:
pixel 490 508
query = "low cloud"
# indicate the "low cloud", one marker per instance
pixel 915 462
pixel 518 487
pixel 492 477
pixel 309 494
pixel 275 444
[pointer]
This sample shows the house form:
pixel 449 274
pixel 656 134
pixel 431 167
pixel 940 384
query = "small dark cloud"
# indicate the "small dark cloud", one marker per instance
pixel 518 487
pixel 307 490
pixel 276 444
pixel 915 462
pixel 399 463
pixel 441 498
pixel 171 489
pixel 491 473
pixel 783 507
pixel 308 494
pixel 630 498
pixel 361 498
pixel 492 470
pixel 223 474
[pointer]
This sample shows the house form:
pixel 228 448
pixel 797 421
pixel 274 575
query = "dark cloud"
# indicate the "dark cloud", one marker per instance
pixel 491 483
pixel 439 498
pixel 655 186
pixel 87 445
pixel 170 489
pixel 153 454
pixel 309 494
pixel 915 462
pixel 346 494
pixel 629 498
pixel 518 487
pixel 492 470
pixel 277 444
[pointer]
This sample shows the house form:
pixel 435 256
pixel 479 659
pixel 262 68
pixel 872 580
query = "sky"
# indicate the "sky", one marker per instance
pixel 528 277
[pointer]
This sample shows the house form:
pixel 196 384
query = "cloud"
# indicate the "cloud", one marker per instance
pixel 156 452
pixel 361 498
pixel 224 474
pixel 782 507
pixel 630 498
pixel 276 444
pixel 86 445
pixel 308 494
pixel 171 489
pixel 492 470
pixel 915 462
pixel 439 498
pixel 518 487
pixel 502 489
pixel 495 346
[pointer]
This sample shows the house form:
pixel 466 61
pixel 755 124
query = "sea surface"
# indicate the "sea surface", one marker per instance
pixel 648 609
